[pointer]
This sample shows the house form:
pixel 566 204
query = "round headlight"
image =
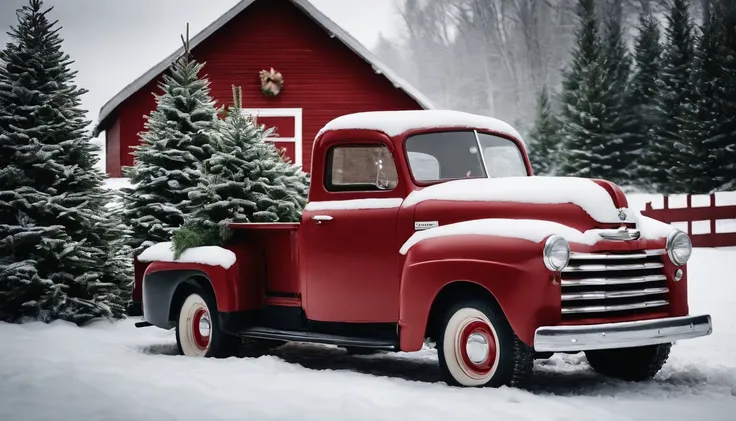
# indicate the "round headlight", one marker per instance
pixel 679 247
pixel 556 253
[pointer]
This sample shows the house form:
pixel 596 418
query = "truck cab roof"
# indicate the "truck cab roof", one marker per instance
pixel 396 123
pixel 421 147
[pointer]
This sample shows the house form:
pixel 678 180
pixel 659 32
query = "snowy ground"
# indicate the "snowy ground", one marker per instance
pixel 116 372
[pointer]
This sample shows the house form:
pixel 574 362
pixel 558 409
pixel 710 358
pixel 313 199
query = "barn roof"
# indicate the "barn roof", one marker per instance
pixel 307 8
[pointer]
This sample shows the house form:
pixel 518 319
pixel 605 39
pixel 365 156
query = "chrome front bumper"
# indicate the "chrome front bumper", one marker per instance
pixel 620 335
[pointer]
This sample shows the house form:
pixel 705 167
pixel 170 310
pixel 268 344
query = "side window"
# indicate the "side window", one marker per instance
pixel 360 168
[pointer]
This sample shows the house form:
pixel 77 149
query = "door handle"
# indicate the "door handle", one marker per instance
pixel 321 218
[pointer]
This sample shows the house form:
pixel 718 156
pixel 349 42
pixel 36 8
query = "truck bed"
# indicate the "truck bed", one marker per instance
pixel 275 246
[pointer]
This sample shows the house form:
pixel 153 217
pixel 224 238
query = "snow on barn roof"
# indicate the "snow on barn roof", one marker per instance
pixel 394 123
pixel 307 8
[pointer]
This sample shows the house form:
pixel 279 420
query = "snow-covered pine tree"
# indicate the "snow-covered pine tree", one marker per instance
pixel 642 96
pixel 708 83
pixel 585 87
pixel 545 137
pixel 667 162
pixel 53 236
pixel 720 101
pixel 246 181
pixel 179 136
pixel 617 150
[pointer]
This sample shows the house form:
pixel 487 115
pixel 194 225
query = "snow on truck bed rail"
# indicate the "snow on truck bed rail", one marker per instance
pixel 208 255
pixel 394 123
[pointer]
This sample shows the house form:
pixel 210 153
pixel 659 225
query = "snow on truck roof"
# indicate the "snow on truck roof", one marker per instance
pixel 394 123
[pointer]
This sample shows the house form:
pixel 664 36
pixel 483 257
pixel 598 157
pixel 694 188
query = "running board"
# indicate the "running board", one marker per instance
pixel 322 338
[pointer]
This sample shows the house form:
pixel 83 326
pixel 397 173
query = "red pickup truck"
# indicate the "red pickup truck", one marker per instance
pixel 427 227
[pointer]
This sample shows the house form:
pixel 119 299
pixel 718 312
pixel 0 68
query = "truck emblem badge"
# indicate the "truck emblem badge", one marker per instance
pixel 622 214
pixel 425 225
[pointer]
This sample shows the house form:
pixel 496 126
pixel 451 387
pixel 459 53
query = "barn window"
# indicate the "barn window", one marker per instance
pixel 360 168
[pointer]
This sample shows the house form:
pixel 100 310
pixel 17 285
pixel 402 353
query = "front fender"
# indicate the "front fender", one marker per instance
pixel 510 269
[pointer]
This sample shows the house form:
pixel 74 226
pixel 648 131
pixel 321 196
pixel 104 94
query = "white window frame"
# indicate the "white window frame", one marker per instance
pixel 296 113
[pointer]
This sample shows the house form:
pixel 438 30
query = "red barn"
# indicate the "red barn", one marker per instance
pixel 327 73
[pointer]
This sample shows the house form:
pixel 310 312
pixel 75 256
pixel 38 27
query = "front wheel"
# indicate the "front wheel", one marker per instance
pixel 198 331
pixel 631 364
pixel 477 347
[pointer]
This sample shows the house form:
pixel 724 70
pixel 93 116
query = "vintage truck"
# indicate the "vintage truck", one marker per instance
pixel 427 227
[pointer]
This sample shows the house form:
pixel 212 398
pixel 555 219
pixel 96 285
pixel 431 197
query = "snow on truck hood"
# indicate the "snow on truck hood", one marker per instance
pixel 532 230
pixel 582 192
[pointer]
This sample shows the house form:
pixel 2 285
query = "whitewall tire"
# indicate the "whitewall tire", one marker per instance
pixel 477 347
pixel 194 326
pixel 197 329
pixel 471 347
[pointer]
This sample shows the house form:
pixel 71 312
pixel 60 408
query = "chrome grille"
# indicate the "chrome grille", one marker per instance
pixel 613 284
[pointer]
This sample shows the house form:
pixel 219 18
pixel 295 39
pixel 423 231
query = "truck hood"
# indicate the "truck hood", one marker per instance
pixel 576 202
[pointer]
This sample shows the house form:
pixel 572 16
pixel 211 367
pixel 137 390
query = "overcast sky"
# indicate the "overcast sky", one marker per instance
pixel 115 41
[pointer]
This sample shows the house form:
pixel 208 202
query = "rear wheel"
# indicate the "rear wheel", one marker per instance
pixel 631 364
pixel 477 347
pixel 198 331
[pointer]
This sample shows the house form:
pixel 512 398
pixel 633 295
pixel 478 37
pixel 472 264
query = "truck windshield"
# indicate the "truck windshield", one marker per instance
pixel 455 154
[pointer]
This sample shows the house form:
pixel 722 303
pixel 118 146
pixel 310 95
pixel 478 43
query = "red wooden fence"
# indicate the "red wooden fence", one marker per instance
pixel 691 214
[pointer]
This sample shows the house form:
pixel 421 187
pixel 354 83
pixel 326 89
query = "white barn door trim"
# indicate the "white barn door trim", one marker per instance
pixel 284 112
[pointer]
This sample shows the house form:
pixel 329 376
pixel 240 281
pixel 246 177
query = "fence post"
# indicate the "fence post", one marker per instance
pixel 712 218
pixel 689 205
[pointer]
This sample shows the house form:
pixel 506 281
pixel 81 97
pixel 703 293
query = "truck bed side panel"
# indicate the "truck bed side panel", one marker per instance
pixel 278 252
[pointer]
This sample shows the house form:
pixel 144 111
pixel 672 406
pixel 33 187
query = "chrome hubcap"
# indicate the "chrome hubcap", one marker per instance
pixel 204 326
pixel 477 348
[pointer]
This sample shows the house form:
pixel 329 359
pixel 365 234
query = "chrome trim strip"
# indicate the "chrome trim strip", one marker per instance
pixel 606 256
pixel 614 307
pixel 620 335
pixel 620 234
pixel 605 295
pixel 607 267
pixel 612 281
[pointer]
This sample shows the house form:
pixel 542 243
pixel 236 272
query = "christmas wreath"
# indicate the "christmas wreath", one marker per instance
pixel 272 82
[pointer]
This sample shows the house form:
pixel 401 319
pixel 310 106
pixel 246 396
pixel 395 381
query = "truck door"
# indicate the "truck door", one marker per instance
pixel 349 246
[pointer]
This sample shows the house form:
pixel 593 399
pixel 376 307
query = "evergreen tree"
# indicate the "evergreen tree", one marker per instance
pixel 668 161
pixel 246 181
pixel 718 83
pixel 545 137
pixel 585 88
pixel 642 96
pixel 180 134
pixel 54 238
pixel 708 80
pixel 617 151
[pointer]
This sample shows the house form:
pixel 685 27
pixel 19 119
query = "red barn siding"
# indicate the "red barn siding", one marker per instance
pixel 322 75
pixel 112 149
